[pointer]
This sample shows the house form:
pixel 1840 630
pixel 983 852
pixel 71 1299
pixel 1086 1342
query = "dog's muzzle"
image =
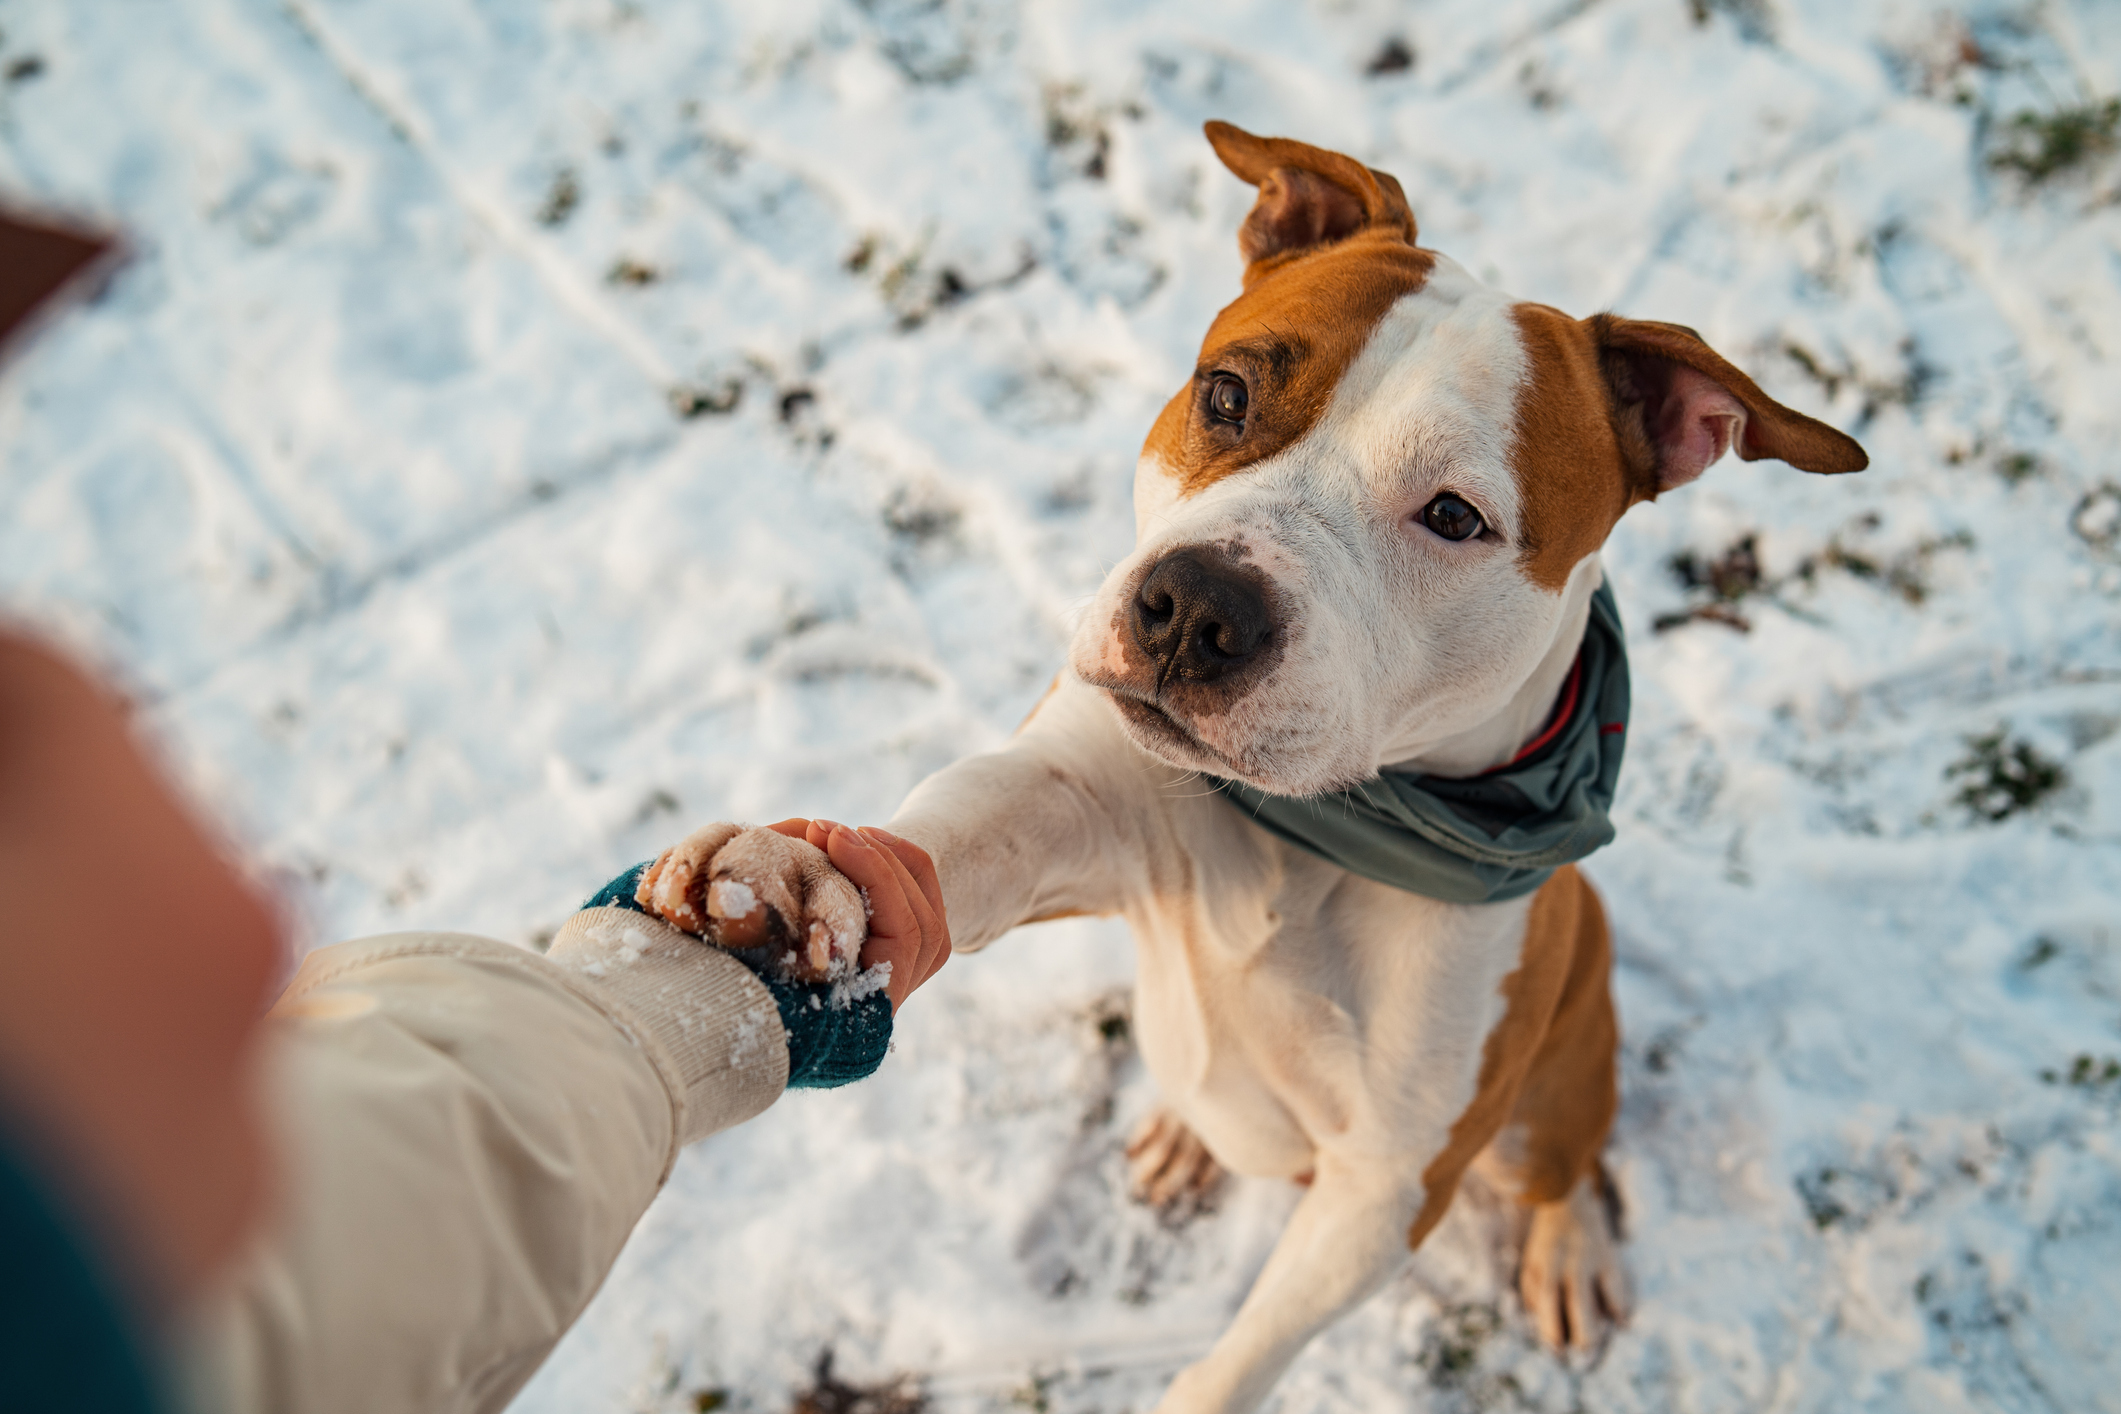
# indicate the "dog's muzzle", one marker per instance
pixel 1199 617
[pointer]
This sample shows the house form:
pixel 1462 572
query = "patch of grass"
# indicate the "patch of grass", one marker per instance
pixel 628 271
pixel 1730 576
pixel 1906 574
pixel 1751 16
pixel 2087 1072
pixel 1394 56
pixel 1034 1393
pixel 1904 391
pixel 1814 369
pixel 829 1394
pixel 657 802
pixel 690 400
pixel 1452 1352
pixel 912 291
pixel 1816 1192
pixel 2003 777
pixel 2043 951
pixel 1076 130
pixel 2097 519
pixel 921 514
pixel 561 198
pixel 2042 146
pixel 2016 467
pixel 1726 579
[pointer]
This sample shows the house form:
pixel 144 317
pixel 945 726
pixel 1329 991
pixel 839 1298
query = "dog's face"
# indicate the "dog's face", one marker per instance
pixel 1376 509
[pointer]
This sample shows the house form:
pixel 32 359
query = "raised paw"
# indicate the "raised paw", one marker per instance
pixel 745 888
pixel 1169 1167
pixel 1572 1280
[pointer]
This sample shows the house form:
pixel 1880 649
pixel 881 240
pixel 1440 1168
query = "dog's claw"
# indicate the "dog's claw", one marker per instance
pixel 739 920
pixel 1170 1168
pixel 1572 1281
pixel 749 888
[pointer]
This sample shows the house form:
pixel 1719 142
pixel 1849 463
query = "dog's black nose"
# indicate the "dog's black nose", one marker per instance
pixel 1199 616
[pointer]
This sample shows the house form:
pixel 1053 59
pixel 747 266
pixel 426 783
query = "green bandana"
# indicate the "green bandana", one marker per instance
pixel 1489 837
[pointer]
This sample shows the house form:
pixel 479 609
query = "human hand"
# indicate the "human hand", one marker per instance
pixel 908 927
pixel 138 964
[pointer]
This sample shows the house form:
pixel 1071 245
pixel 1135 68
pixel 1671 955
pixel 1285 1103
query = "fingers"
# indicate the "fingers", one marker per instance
pixel 927 911
pixel 929 888
pixel 796 828
pixel 900 923
pixel 917 863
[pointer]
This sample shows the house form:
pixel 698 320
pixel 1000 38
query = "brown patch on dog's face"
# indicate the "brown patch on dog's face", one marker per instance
pixel 1571 473
pixel 1286 341
pixel 1328 247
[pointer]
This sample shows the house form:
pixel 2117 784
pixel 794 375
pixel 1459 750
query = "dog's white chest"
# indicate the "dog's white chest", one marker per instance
pixel 1287 1007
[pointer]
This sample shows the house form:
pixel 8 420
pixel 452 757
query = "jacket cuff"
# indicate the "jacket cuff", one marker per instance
pixel 708 1023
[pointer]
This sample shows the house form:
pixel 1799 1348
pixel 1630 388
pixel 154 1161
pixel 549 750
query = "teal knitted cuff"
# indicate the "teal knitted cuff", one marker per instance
pixel 828 1045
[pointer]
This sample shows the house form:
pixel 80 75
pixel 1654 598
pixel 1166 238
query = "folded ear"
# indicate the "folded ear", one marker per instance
pixel 1308 197
pixel 1678 406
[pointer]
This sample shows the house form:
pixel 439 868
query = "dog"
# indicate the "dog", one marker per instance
pixel 1368 556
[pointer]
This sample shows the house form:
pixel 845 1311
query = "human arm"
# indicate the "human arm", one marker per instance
pixel 470 1131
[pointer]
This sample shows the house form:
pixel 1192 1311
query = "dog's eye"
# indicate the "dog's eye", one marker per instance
pixel 1227 398
pixel 1450 517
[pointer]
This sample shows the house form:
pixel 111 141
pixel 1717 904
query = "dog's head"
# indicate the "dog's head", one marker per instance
pixel 1373 515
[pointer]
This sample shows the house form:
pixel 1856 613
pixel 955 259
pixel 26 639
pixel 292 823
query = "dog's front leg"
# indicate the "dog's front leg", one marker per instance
pixel 1063 820
pixel 1346 1238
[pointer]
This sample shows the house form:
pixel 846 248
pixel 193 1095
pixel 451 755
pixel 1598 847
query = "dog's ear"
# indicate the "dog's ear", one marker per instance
pixel 1678 406
pixel 1307 196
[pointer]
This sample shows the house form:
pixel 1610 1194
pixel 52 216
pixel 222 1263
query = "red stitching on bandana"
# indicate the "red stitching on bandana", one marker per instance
pixel 1566 710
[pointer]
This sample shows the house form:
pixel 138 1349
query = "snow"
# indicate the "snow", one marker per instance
pixel 731 898
pixel 865 983
pixel 366 479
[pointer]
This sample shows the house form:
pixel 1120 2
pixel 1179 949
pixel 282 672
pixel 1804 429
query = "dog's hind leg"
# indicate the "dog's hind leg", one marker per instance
pixel 1345 1239
pixel 1546 1157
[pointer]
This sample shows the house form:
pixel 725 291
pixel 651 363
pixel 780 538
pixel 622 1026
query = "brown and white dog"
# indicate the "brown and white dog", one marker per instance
pixel 1368 537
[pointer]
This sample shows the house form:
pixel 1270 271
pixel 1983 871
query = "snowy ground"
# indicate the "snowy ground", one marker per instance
pixel 368 478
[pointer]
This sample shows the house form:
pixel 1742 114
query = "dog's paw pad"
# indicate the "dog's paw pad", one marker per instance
pixel 752 888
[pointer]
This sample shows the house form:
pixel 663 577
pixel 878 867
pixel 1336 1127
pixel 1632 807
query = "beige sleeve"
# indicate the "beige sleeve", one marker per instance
pixel 468 1133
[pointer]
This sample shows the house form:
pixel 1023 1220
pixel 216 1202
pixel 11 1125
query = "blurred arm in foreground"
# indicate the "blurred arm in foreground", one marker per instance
pixel 455 1136
pixel 399 1186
